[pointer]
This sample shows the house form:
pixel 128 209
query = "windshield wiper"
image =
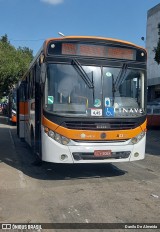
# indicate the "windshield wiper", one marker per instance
pixel 82 73
pixel 120 78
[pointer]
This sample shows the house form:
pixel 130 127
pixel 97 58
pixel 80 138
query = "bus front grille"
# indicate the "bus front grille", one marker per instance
pixel 90 125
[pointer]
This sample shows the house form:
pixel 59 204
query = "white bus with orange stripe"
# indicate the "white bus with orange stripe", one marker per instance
pixel 83 100
pixel 12 106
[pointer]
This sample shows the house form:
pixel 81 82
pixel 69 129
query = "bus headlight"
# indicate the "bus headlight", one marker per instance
pixel 51 134
pixel 137 138
pixel 57 137
pixel 64 140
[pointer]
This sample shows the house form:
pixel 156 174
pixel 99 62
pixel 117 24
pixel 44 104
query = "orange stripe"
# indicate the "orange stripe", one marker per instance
pixel 94 135
pixel 49 124
pixel 23 108
pixel 14 119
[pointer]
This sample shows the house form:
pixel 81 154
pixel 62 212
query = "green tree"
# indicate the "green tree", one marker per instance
pixel 157 49
pixel 157 53
pixel 4 38
pixel 13 64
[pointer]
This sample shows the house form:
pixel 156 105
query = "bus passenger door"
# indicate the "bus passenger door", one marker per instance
pixel 37 112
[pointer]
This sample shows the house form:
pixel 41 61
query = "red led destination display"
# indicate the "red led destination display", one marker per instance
pixel 92 50
pixel 121 53
pixel 98 51
pixel 69 49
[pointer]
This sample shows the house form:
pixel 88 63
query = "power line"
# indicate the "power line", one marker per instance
pixel 29 40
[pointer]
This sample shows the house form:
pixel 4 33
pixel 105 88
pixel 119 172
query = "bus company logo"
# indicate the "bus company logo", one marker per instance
pixel 83 136
pixel 129 110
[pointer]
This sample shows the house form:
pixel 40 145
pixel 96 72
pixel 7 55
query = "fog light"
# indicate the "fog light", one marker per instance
pixel 64 157
pixel 136 154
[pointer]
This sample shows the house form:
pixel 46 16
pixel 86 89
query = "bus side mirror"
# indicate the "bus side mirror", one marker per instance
pixel 43 73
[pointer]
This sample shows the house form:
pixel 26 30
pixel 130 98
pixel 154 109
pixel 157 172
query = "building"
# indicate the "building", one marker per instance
pixel 152 37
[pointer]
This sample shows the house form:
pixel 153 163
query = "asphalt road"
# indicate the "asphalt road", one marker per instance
pixel 119 193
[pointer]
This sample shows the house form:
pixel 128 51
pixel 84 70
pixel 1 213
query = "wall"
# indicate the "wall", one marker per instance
pixel 153 69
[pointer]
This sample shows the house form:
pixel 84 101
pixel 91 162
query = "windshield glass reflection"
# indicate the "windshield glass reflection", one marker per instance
pixel 68 93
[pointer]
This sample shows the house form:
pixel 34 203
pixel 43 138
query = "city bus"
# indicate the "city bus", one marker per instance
pixel 12 106
pixel 153 114
pixel 83 100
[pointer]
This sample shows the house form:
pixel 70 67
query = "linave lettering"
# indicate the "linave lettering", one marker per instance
pixel 130 110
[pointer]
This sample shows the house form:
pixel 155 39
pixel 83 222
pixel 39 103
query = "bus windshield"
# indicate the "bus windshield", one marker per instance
pixel 111 92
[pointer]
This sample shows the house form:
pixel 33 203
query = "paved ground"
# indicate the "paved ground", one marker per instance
pixel 121 193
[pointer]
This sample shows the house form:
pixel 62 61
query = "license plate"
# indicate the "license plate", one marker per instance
pixel 102 153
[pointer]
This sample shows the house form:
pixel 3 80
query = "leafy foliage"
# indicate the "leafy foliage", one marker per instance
pixel 157 53
pixel 157 49
pixel 13 64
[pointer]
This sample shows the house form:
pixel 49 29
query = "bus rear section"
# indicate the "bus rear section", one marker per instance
pixel 86 99
pixel 153 115
pixel 12 106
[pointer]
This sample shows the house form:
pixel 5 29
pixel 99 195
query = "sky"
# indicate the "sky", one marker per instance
pixel 29 22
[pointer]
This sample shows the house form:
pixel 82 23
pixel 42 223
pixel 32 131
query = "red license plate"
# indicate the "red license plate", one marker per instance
pixel 102 153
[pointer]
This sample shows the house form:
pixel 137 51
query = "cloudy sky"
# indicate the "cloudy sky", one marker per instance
pixel 53 2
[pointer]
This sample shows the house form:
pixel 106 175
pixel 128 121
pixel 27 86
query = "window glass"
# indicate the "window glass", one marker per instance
pixel 92 91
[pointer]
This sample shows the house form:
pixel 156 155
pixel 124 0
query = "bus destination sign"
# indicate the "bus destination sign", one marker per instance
pixel 98 51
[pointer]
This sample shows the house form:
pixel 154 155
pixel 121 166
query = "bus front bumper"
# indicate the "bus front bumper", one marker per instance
pixel 82 152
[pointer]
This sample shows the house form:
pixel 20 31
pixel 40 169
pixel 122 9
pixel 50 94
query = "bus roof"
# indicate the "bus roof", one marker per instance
pixel 44 46
pixel 93 38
